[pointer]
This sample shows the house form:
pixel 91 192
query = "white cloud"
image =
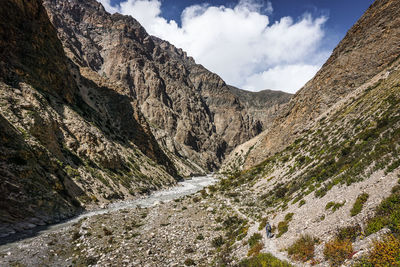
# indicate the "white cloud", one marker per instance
pixel 239 43
pixel 286 78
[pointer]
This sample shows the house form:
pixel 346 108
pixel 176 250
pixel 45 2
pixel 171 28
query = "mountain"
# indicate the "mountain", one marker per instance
pixel 69 139
pixel 94 110
pixel 369 47
pixel 194 115
pixel 264 105
pixel 326 173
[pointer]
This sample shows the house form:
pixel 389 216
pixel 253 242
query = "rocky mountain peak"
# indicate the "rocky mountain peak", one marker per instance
pixel 190 109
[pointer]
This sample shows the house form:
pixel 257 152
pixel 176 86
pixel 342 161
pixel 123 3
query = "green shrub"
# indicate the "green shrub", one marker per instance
pixel 253 240
pixel 337 251
pixel 200 237
pixel 386 252
pixel 217 242
pixel 263 260
pixel 358 205
pixel 396 189
pixel 375 224
pixel 387 215
pixel 289 216
pixel 263 223
pixel 349 232
pixel 334 206
pixel 283 226
pixel 392 166
pixel 302 202
pixel 303 248
pixel 255 250
pixel 212 188
pixel 189 262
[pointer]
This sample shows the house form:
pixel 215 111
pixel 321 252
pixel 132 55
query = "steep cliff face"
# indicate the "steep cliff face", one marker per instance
pixel 369 47
pixel 68 137
pixel 24 32
pixel 193 114
pixel 264 105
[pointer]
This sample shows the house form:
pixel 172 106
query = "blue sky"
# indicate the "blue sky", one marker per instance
pixel 252 44
pixel 342 13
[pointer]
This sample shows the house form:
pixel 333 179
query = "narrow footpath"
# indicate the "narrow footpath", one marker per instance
pixel 269 243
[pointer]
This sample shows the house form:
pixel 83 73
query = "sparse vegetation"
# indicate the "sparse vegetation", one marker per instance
pixel 76 235
pixel 107 231
pixel 283 226
pixel 254 239
pixel 387 214
pixel 334 206
pixel 189 262
pixel 337 251
pixel 255 249
pixel 386 252
pixel 263 259
pixel 263 223
pixel 349 232
pixel 217 242
pixel 200 237
pixel 358 205
pixel 303 248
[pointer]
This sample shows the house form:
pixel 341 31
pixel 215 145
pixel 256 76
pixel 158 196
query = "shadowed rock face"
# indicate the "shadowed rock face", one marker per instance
pixel 264 105
pixel 30 49
pixel 369 47
pixel 193 114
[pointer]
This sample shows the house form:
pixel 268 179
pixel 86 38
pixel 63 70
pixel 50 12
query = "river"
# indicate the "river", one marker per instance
pixel 187 187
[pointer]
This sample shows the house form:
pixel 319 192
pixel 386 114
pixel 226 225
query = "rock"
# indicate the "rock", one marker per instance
pixel 336 80
pixel 190 108
pixel 111 133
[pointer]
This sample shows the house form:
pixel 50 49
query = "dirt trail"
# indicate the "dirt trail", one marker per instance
pixel 269 243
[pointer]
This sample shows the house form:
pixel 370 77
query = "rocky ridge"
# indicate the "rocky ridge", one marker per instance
pixel 193 114
pixel 336 181
pixel 69 140
pixel 311 187
pixel 368 48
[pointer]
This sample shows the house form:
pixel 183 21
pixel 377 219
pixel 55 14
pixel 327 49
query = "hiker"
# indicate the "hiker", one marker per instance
pixel 268 230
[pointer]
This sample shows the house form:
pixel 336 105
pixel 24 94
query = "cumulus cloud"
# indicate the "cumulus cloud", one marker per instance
pixel 286 78
pixel 239 43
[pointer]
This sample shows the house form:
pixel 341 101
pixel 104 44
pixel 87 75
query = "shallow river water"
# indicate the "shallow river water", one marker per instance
pixel 184 188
